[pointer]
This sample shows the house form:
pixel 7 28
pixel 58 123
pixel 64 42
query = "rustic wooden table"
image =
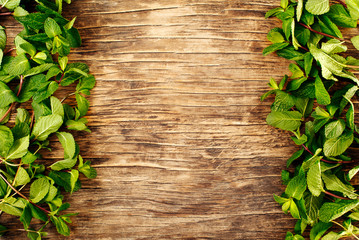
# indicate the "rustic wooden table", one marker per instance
pixel 179 136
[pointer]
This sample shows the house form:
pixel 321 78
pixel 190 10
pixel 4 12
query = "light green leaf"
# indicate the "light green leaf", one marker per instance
pixel 57 107
pixel 39 189
pixel 19 148
pixel 22 177
pixel 46 125
pixel 317 7
pixel 287 120
pixel 353 172
pixel 355 42
pixel 68 143
pixel 38 69
pixel 295 42
pixel 331 211
pixel 17 65
pixel 314 180
pixel 52 29
pixel 335 128
pixel 336 146
pixel 6 140
pixel 318 230
pixel 73 180
pixel 333 46
pixel 6 95
pixel 296 187
pixel 2 38
pixel 333 183
pixel 321 93
pixel 299 10
pixel 83 104
pixel 312 205
pixel 353 7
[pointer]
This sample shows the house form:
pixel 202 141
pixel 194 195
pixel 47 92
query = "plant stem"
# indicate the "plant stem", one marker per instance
pixel 342 3
pixel 5 13
pixel 327 161
pixel 336 196
pixel 23 196
pixel 320 33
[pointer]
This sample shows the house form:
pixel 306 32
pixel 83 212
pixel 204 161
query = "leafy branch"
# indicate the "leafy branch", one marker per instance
pixel 315 103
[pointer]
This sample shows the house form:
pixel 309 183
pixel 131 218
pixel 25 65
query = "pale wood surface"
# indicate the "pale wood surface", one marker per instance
pixel 179 136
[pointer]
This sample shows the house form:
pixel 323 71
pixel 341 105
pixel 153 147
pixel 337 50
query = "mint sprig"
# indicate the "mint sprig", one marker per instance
pixel 31 73
pixel 316 105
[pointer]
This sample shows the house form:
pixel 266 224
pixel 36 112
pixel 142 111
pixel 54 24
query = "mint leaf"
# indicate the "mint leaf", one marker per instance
pixel 296 187
pixel 19 148
pixel 336 146
pixel 334 129
pixel 317 7
pixel 314 180
pixel 52 29
pixel 330 211
pixel 286 120
pixel 39 189
pixel 46 125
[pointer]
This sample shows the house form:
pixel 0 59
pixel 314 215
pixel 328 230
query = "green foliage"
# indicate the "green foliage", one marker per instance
pixel 316 104
pixel 32 76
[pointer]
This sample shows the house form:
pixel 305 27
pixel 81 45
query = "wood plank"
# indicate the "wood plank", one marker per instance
pixel 179 136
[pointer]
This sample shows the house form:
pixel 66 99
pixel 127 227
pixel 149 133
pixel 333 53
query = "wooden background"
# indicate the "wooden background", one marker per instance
pixel 179 136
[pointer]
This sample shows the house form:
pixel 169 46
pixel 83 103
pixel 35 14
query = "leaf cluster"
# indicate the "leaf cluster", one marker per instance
pixel 315 104
pixel 30 78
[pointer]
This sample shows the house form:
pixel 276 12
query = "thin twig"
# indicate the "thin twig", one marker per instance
pixel 23 196
pixel 320 33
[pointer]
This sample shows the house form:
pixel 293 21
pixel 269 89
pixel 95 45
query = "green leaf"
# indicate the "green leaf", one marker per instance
pixel 86 169
pixel 78 125
pixel 46 125
pixel 296 187
pixel 287 120
pixel 319 229
pixel 18 149
pixel 17 65
pixel 336 146
pixel 6 140
pixel 341 17
pixel 294 210
pixel 295 42
pixel 299 9
pixel 10 209
pixel 64 179
pixel 56 107
pixel 83 104
pixel 312 206
pixel 60 225
pixel 52 29
pixel 353 172
pixel 327 26
pixel 355 42
pixel 26 216
pixel 38 69
pixel 334 129
pixel 68 143
pixel 45 91
pixel 6 95
pixel 331 211
pixel 295 156
pixel 353 7
pixel 317 7
pixel 314 180
pixel 2 39
pixel 273 12
pixel 22 177
pixel 334 184
pixel 86 84
pixel 334 46
pixel 39 189
pixel 321 93
pixel 274 47
pixel 275 35
pixel 74 178
pixel 283 102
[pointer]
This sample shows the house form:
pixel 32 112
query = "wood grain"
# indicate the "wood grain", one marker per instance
pixel 179 136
